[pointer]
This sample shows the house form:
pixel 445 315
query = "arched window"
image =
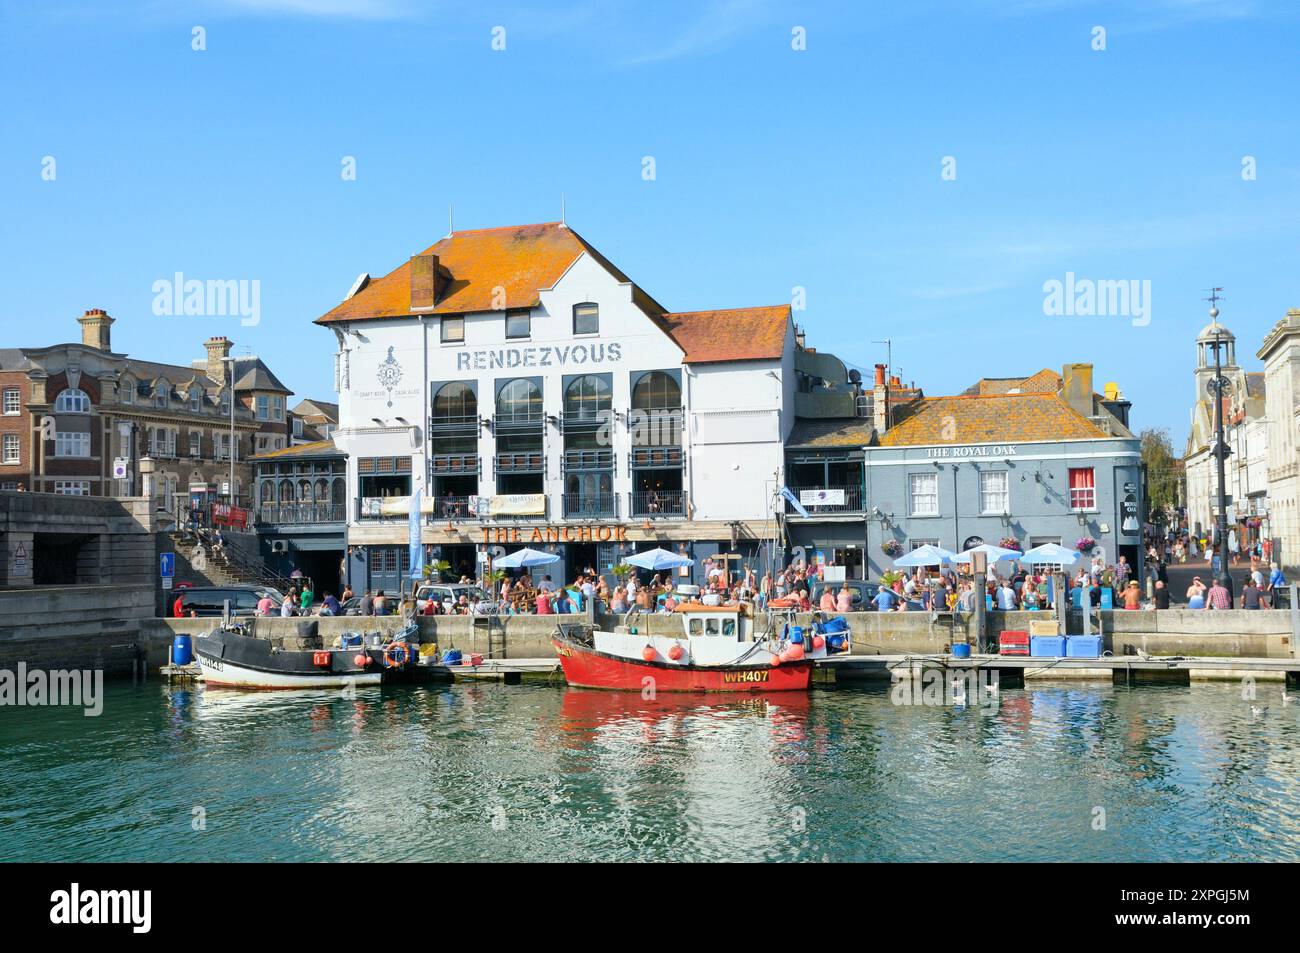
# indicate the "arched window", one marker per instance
pixel 72 401
pixel 586 397
pixel 455 402
pixel 196 400
pixel 520 399
pixel 286 491
pixel 656 391
pixel 337 491
pixel 225 403
pixel 126 390
pixel 161 393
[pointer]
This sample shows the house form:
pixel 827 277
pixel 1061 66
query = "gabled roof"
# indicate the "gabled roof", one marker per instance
pixel 522 260
pixel 991 418
pixel 1043 382
pixel 317 408
pixel 737 334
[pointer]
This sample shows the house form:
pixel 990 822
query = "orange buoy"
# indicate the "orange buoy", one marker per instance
pixel 648 653
pixel 776 660
pixel 818 641
pixel 793 654
pixel 362 660
pixel 675 653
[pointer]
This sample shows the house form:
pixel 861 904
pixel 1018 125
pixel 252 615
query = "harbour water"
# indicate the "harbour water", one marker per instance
pixel 1067 771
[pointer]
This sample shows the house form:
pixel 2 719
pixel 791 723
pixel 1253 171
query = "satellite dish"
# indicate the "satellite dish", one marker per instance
pixel 363 279
pixel 855 376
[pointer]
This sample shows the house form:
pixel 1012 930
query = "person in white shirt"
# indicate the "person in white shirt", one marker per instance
pixel 1006 597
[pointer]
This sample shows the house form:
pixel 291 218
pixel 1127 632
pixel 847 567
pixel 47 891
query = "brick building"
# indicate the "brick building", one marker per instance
pixel 77 419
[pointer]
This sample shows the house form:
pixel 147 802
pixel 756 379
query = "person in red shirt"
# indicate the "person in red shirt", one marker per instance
pixel 178 607
pixel 544 603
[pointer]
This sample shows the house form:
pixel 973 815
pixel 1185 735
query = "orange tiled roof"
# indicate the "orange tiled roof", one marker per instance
pixel 1045 381
pixel 736 334
pixel 526 259
pixel 522 259
pixel 991 418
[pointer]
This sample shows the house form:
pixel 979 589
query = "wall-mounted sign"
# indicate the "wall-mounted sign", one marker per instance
pixel 554 534
pixel 986 450
pixel 556 355
pixel 509 504
pixel 20 560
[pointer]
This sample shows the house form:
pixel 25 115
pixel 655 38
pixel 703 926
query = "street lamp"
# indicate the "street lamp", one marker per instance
pixel 1218 387
pixel 230 448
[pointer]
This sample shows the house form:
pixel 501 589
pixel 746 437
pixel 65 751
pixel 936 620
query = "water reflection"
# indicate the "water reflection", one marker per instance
pixel 485 771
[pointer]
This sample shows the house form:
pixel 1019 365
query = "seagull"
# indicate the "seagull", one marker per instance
pixel 1143 655
pixel 1288 699
pixel 1258 709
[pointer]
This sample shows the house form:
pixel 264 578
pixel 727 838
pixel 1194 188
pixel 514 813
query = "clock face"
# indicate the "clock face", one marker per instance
pixel 1218 385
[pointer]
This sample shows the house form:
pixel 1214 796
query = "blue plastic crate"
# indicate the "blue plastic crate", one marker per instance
pixel 1047 646
pixel 1083 646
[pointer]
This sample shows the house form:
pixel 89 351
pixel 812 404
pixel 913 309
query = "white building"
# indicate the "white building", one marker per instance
pixel 1280 353
pixel 536 396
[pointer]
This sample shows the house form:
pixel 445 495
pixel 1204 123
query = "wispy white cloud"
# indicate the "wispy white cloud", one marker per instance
pixel 716 28
pixel 341 9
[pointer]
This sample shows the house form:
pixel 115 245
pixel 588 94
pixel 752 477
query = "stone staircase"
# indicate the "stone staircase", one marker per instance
pixel 222 568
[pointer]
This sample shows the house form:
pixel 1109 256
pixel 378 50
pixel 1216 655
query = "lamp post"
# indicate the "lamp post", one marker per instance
pixel 230 383
pixel 1218 387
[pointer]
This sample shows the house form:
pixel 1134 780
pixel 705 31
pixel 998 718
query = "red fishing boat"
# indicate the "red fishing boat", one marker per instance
pixel 718 651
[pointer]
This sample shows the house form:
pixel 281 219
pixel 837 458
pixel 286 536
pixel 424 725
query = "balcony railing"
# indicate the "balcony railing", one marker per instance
pixel 443 464
pixel 588 460
pixel 533 461
pixel 454 422
pixel 300 513
pixel 833 499
pixel 581 423
pixel 450 508
pixel 523 420
pixel 658 504
pixel 590 505
pixel 656 458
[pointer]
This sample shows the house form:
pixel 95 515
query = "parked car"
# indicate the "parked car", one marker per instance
pixel 446 593
pixel 861 593
pixel 210 600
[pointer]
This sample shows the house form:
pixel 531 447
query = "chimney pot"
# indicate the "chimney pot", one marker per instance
pixel 880 374
pixel 95 329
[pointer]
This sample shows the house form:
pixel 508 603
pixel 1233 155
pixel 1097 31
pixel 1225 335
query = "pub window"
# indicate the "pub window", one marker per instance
pixel 994 496
pixel 519 324
pixel 455 403
pixel 923 494
pixel 586 318
pixel 1083 489
pixel 453 330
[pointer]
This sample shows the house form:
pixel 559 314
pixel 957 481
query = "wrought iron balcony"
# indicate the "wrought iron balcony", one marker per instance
pixel 656 458
pixel 659 504
pixel 532 461
pixel 833 499
pixel 300 513
pixel 444 464
pixel 586 460
pixel 590 505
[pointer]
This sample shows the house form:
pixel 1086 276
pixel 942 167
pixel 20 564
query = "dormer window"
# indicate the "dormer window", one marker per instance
pixel 127 391
pixel 161 394
pixel 196 400
pixel 225 403
pixel 586 318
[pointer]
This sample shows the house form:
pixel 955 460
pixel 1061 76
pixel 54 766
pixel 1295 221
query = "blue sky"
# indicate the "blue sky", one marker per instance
pixel 775 168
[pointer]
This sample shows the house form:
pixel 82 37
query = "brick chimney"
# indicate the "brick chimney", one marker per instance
pixel 424 282
pixel 218 349
pixel 95 325
pixel 880 401
pixel 1076 387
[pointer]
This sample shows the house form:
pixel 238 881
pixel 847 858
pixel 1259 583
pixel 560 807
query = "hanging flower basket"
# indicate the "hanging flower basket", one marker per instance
pixel 1010 542
pixel 891 548
pixel 1085 544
